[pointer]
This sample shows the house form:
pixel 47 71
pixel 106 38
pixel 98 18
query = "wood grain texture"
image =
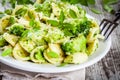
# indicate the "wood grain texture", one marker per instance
pixel 109 67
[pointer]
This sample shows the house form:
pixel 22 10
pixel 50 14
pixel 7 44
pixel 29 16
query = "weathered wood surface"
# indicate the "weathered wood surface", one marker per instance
pixel 109 67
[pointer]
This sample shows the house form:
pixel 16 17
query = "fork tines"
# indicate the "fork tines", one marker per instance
pixel 107 27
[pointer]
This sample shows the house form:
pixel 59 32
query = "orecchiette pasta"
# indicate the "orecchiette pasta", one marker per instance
pixel 50 31
pixel 20 54
pixel 12 39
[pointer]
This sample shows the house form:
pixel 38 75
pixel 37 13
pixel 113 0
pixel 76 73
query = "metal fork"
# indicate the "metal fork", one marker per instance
pixel 107 26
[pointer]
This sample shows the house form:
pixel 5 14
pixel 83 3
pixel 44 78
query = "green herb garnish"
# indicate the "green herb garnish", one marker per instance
pixel 95 11
pixel 30 15
pixel 53 22
pixel 39 56
pixel 6 52
pixel 72 13
pixel 12 20
pixel 2 14
pixel 62 17
pixel 53 54
pixel 8 11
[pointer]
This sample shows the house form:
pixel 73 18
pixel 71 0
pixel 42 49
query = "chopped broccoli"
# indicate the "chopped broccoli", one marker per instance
pixel 84 26
pixel 12 20
pixel 34 24
pixel 45 8
pixel 68 29
pixel 76 27
pixel 75 45
pixel 2 41
pixel 39 56
pixel 17 29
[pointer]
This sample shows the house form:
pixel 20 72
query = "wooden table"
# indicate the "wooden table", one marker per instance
pixel 109 67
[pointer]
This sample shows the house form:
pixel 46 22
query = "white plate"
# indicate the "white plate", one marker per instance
pixel 102 50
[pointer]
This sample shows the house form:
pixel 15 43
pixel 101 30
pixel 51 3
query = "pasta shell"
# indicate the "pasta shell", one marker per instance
pixel 92 46
pixel 19 53
pixel 12 39
pixel 37 55
pixel 55 58
pixel 76 58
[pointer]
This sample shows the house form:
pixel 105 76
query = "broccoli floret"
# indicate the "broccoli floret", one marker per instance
pixel 84 26
pixel 46 8
pixel 75 45
pixel 2 41
pixel 76 27
pixel 17 29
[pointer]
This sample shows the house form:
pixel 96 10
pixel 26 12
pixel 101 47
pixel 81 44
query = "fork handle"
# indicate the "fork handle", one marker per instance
pixel 117 14
pixel 117 18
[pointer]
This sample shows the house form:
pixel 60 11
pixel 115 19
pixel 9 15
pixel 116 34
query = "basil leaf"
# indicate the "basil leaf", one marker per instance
pixel 2 41
pixel 92 2
pixel 31 23
pixel 95 11
pixel 34 24
pixel 67 25
pixel 13 3
pixel 109 2
pixel 53 22
pixel 30 15
pixel 1 14
pixel 83 2
pixel 6 52
pixel 53 54
pixel 38 7
pixel 72 13
pixel 107 5
pixel 67 32
pixel 20 12
pixel 68 29
pixel 12 20
pixel 108 8
pixel 8 11
pixel 62 17
pixel 3 2
pixel 25 1
pixel 74 1
pixel 25 33
pixel 39 56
